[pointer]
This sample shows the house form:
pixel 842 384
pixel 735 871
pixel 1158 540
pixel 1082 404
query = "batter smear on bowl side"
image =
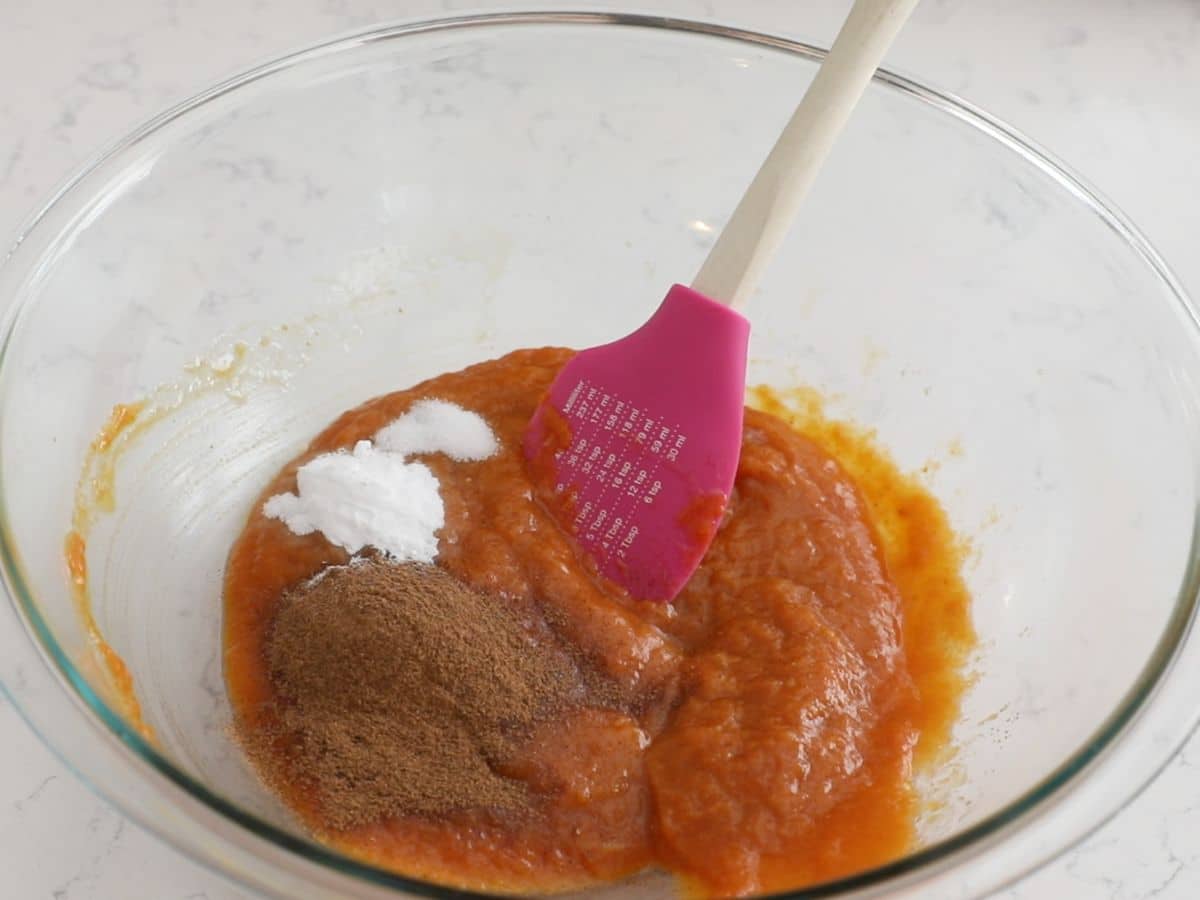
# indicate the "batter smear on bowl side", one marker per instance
pixel 501 717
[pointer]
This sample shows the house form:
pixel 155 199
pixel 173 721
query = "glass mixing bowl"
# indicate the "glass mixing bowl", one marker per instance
pixel 377 209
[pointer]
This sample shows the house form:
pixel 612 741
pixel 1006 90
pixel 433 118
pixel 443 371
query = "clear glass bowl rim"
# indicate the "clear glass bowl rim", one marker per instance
pixel 937 857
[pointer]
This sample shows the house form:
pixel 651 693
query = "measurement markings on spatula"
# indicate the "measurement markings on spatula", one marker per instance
pixel 610 487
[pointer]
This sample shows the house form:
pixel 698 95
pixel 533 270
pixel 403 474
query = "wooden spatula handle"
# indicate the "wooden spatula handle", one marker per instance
pixel 761 220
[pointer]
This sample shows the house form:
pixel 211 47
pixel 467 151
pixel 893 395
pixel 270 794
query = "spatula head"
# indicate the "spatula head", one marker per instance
pixel 638 442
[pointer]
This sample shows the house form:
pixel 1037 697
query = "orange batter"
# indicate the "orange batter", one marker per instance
pixel 774 708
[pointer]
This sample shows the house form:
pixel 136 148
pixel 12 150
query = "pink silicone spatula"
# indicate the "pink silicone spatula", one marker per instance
pixel 642 436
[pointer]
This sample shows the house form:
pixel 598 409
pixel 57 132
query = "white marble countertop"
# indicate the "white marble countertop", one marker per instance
pixel 1110 86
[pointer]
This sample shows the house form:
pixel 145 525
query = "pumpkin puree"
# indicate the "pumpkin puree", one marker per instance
pixel 775 709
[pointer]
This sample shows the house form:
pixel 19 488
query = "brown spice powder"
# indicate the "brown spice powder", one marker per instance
pixel 402 691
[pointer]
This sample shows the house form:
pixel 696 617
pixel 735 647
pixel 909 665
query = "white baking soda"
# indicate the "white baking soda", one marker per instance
pixel 435 426
pixel 374 496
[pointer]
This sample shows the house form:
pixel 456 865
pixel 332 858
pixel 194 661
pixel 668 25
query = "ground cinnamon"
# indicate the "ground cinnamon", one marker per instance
pixel 403 691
